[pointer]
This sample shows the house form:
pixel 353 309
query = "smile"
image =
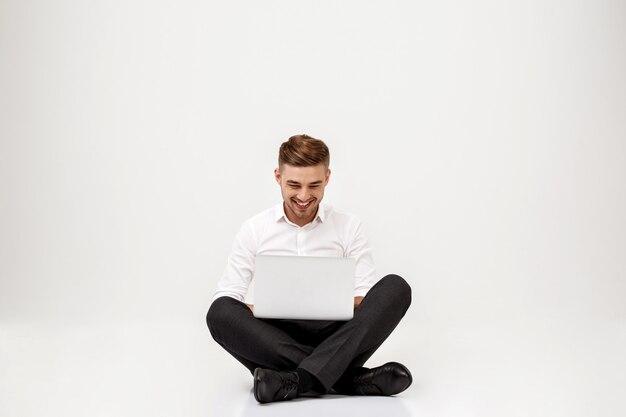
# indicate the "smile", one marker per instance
pixel 303 206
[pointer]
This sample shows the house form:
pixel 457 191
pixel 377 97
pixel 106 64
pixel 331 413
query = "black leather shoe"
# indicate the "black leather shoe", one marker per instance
pixel 389 379
pixel 270 386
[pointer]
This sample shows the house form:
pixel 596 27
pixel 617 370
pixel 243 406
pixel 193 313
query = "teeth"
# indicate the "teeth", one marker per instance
pixel 302 204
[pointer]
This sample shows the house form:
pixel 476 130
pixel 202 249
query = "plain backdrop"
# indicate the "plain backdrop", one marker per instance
pixel 482 144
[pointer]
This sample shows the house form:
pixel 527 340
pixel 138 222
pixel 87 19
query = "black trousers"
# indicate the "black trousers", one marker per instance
pixel 326 349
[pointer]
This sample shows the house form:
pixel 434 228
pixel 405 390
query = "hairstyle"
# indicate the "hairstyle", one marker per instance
pixel 303 151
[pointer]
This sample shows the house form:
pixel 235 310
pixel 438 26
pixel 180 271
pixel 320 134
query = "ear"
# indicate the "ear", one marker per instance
pixel 327 175
pixel 277 175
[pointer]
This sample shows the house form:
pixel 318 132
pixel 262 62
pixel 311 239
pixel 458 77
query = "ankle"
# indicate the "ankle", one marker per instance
pixel 307 381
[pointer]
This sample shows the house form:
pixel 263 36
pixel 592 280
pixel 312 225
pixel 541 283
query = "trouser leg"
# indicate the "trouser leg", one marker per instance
pixel 357 339
pixel 253 342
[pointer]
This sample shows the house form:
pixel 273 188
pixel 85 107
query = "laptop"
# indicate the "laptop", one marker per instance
pixel 304 287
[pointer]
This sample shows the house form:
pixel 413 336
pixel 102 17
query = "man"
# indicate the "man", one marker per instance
pixel 289 358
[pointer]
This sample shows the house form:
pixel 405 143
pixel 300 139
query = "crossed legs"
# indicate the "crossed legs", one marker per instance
pixel 328 350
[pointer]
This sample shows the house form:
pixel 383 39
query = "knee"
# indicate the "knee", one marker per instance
pixel 218 314
pixel 399 289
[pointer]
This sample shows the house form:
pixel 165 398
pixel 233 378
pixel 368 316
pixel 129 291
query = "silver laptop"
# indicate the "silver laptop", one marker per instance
pixel 304 287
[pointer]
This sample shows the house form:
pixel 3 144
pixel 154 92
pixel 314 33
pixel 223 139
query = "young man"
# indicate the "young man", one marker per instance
pixel 289 358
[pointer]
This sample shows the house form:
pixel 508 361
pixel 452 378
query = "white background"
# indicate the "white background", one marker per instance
pixel 483 145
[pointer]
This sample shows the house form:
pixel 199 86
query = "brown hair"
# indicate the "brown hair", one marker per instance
pixel 303 151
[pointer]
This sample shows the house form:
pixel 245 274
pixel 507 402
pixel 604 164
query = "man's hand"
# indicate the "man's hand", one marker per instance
pixel 251 307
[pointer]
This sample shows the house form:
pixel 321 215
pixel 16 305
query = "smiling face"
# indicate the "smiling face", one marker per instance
pixel 302 189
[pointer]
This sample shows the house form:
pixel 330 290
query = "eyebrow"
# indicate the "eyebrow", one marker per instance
pixel 292 182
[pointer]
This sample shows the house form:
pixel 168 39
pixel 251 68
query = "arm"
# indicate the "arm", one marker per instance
pixel 240 266
pixel 359 249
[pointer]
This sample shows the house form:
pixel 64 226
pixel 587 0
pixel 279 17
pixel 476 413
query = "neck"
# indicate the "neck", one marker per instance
pixel 296 220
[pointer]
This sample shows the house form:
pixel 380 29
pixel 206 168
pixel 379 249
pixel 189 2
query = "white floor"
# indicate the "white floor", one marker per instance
pixel 173 369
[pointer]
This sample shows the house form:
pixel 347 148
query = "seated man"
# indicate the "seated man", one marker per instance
pixel 289 358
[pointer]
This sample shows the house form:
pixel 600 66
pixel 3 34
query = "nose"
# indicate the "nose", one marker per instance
pixel 303 195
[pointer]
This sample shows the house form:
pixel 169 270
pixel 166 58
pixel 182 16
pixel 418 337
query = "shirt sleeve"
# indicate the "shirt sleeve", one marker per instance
pixel 240 265
pixel 359 249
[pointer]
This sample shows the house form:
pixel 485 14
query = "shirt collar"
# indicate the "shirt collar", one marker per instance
pixel 279 213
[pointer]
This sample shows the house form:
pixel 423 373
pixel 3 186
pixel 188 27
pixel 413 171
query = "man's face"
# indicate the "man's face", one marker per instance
pixel 302 189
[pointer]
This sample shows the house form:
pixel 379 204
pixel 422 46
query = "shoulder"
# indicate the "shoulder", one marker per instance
pixel 263 216
pixel 339 216
pixel 260 220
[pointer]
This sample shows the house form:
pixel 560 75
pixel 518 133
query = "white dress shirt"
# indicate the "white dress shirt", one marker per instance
pixel 332 233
